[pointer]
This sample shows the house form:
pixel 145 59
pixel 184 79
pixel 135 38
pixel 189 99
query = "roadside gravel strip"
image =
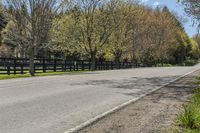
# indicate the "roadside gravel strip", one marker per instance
pixel 153 113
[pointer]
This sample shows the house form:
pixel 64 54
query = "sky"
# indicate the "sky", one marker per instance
pixel 175 7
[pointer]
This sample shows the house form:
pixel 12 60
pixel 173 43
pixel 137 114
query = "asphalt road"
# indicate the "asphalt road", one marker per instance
pixel 57 103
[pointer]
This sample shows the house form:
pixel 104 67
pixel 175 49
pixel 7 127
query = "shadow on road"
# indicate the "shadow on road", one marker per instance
pixel 154 113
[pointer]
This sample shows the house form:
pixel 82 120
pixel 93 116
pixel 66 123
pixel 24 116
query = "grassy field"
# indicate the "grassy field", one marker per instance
pixel 5 76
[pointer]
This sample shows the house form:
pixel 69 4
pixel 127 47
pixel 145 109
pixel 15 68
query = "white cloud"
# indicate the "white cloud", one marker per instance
pixel 155 4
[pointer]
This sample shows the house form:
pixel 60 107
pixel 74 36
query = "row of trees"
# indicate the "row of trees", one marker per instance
pixel 93 29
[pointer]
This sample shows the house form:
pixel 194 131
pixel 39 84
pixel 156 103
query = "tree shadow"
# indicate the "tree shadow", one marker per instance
pixel 177 91
pixel 137 86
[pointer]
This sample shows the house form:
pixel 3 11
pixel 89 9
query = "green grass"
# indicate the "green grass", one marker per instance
pixel 182 130
pixel 12 76
pixel 164 65
pixel 4 76
pixel 189 120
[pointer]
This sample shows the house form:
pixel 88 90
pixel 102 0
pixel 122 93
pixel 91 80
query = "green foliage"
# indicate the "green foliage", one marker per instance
pixel 3 20
pixel 184 131
pixel 189 63
pixel 64 35
pixel 195 52
pixel 189 119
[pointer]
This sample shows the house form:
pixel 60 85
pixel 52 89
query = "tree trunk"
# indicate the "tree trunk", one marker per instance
pixel 134 62
pixel 31 61
pixel 117 62
pixel 118 55
pixel 93 62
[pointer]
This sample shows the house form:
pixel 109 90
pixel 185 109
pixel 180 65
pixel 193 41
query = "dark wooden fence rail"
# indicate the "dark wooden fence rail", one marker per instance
pixel 21 66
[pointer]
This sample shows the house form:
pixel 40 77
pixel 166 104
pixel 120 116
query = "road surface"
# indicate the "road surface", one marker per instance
pixel 57 103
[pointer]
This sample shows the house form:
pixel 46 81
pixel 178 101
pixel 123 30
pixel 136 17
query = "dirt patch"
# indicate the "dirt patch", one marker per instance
pixel 151 114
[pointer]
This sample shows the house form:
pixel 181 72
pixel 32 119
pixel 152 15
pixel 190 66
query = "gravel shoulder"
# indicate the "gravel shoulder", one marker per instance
pixel 153 113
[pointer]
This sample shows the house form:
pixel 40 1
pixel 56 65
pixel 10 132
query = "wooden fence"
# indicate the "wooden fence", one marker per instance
pixel 21 66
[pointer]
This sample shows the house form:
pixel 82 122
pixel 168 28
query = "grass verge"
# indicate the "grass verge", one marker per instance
pixel 5 76
pixel 189 120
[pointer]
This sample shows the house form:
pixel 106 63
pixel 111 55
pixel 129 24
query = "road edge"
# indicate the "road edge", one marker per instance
pixel 121 106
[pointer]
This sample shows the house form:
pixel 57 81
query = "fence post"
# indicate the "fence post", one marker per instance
pixel 107 65
pixel 15 71
pixel 8 69
pixel 43 65
pixel 65 65
pixel 70 66
pixel 82 66
pixel 22 69
pixel 89 65
pixel 77 66
pixel 55 63
pixel 101 66
pixel 111 63
pixel 131 65
pixel 34 67
pixel 74 65
pixel 96 63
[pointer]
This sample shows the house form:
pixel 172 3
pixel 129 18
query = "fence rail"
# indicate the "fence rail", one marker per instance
pixel 21 66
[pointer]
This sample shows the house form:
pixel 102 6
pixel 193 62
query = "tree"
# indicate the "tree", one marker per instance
pixel 136 27
pixel 63 36
pixel 117 43
pixel 194 53
pixel 197 39
pixel 35 16
pixel 3 20
pixel 92 18
pixel 192 8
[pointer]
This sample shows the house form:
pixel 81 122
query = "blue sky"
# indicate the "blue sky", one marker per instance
pixel 176 7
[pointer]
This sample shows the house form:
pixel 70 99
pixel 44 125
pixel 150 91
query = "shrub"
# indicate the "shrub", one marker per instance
pixel 189 62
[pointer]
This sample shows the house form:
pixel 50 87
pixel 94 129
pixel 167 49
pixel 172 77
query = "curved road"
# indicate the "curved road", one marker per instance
pixel 57 103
